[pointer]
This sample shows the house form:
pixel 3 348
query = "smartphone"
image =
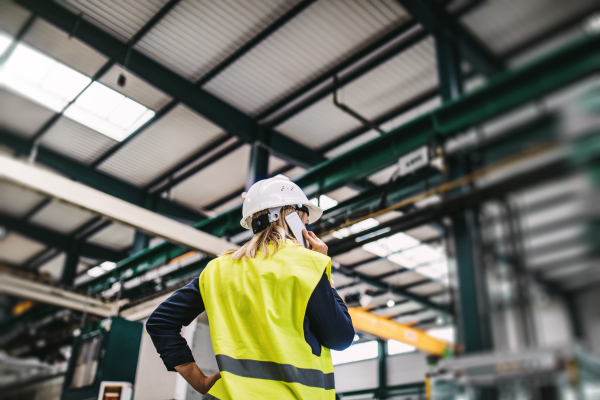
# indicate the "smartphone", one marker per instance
pixel 296 226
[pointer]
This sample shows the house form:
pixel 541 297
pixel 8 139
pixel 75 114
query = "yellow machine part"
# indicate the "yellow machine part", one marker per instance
pixel 384 328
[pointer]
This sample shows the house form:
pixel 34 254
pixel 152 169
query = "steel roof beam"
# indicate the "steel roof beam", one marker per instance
pixel 437 20
pixel 97 179
pixel 224 115
pixel 58 240
pixel 253 42
pixel 295 103
pixel 500 95
pixel 103 70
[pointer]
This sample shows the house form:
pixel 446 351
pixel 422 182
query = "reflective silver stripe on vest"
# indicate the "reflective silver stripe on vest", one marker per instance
pixel 209 396
pixel 275 372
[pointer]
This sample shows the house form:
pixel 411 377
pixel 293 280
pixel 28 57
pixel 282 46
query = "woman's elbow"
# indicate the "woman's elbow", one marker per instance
pixel 343 340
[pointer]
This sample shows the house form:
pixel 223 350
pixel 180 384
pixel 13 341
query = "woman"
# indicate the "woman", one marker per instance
pixel 274 316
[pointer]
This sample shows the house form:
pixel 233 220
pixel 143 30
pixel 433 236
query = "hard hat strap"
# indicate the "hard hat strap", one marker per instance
pixel 261 223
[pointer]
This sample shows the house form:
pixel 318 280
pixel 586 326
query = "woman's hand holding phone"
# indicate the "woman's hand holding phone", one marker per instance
pixel 317 244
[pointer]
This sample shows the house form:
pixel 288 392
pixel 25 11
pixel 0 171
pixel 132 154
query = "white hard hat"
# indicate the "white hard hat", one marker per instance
pixel 274 192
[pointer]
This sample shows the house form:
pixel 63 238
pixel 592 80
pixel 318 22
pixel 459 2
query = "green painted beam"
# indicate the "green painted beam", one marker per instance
pixel 57 240
pixel 501 94
pixel 439 22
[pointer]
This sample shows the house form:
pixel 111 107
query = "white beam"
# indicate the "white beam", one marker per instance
pixel 77 194
pixel 31 290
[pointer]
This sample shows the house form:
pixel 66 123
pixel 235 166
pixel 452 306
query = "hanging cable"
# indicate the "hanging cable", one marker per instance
pixel 350 111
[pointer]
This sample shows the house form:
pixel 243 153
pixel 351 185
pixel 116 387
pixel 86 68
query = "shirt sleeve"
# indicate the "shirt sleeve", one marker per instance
pixel 165 323
pixel 329 319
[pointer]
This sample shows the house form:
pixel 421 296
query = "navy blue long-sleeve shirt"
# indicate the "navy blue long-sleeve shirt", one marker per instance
pixel 327 322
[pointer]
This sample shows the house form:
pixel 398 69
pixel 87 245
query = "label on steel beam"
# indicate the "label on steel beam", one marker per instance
pixel 414 160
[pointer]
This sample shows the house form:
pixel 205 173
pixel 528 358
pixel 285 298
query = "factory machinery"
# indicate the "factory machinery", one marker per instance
pixel 481 154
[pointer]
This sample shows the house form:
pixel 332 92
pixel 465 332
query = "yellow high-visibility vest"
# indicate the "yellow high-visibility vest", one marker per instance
pixel 256 311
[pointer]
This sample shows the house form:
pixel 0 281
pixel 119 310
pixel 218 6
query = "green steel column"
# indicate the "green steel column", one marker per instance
pixel 259 159
pixel 141 240
pixel 464 225
pixel 67 276
pixel 382 366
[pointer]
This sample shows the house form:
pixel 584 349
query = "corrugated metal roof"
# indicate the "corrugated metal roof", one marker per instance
pixel 359 288
pixel 135 88
pixel 236 201
pixel 384 175
pixel 16 201
pixel 343 193
pixel 427 288
pixel 17 249
pixel 70 51
pixel 425 232
pixel 354 256
pixel 20 116
pixel 295 172
pixel 61 217
pixel 275 164
pixel 324 34
pixel 121 18
pixel 319 124
pixel 76 141
pixel 352 144
pixel 216 181
pixel 412 114
pixel 54 267
pixel 378 267
pixel 196 35
pixel 174 137
pixel 503 24
pixel 115 236
pixel 404 278
pixel 12 16
pixel 399 309
pixel 396 81
pixel 340 279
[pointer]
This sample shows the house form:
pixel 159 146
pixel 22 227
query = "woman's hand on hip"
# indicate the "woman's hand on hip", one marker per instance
pixel 317 244
pixel 196 378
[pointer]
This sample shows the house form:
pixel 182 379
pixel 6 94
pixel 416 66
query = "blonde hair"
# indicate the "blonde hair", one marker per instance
pixel 277 232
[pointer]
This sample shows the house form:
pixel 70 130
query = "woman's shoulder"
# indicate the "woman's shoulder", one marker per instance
pixel 301 252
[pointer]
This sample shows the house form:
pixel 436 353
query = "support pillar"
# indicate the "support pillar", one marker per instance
pixel 67 276
pixel 141 240
pixel 382 365
pixel 471 325
pixel 259 159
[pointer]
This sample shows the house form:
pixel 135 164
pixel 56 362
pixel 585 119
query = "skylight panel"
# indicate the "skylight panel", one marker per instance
pixel 417 256
pixel 436 270
pixel 52 84
pixel 325 202
pixel 356 228
pixel 40 78
pixel 95 271
pixel 5 41
pixel 99 100
pixel 386 246
pixel 108 112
